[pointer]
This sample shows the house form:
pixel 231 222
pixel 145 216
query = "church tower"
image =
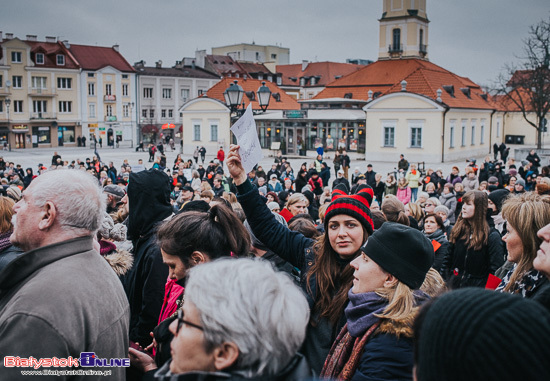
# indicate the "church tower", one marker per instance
pixel 403 30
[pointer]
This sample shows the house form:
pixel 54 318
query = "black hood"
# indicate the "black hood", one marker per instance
pixel 149 201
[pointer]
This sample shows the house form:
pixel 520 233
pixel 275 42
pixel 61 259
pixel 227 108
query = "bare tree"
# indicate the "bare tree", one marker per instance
pixel 525 86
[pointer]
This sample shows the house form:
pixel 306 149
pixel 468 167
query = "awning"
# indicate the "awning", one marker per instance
pixel 168 126
pixel 150 129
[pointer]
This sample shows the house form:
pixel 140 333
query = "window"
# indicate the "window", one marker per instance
pixel 463 143
pixel 109 110
pixel 108 89
pixel 473 137
pixel 126 111
pixel 124 76
pixel 163 113
pixel 302 81
pixel 38 82
pixel 170 113
pixel 64 83
pixel 17 81
pixel 91 88
pixel 482 128
pixel 260 76
pixel 66 133
pixel 0 81
pixel 152 113
pixel 389 135
pixel 91 75
pixel 257 56
pixel 17 106
pixel 39 106
pixel 312 81
pixel 60 60
pixel 125 90
pixel 196 132
pixel 396 39
pixel 91 110
pixel 452 135
pixel 213 132
pixel 16 57
pixel 273 56
pixel 279 81
pixel 416 137
pixel 167 93
pixel 144 113
pixel 185 94
pixel 1 106
pixel 65 106
pixel 200 92
pixel 498 127
pixel 39 58
pixel 147 92
pixel 42 134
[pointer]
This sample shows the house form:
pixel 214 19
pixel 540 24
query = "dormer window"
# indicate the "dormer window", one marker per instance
pixel 313 81
pixel 302 81
pixel 60 59
pixel 16 57
pixel 39 58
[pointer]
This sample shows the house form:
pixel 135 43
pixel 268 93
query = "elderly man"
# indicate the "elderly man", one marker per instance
pixel 114 196
pixel 60 298
pixel 222 329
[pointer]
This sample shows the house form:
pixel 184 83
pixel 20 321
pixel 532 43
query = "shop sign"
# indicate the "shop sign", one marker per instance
pixel 118 132
pixel 43 128
pixel 19 127
pixel 295 114
pixel 91 125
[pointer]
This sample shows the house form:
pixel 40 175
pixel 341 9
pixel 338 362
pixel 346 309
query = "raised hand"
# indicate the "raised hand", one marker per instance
pixel 234 165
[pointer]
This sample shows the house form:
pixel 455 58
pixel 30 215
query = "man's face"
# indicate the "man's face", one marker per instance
pixel 186 195
pixel 369 169
pixel 26 220
pixel 261 181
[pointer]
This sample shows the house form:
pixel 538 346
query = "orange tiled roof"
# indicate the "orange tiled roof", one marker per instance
pixel 423 77
pixel 253 67
pixel 326 71
pixel 97 57
pixel 504 103
pixel 250 84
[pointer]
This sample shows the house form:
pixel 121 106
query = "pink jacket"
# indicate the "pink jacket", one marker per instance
pixel 172 291
pixel 404 195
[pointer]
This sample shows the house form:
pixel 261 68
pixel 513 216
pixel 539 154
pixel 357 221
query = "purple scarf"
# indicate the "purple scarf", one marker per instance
pixel 5 240
pixel 361 310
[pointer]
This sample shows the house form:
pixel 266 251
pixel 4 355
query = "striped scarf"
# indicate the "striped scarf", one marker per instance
pixel 5 240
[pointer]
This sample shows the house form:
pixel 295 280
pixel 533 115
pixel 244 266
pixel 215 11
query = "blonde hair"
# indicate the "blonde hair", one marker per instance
pixel 205 185
pixel 296 197
pixel 433 285
pixel 6 213
pixel 527 213
pixel 416 211
pixel 322 211
pixel 401 302
pixel 430 185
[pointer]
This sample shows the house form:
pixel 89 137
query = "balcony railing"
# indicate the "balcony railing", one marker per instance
pixel 41 92
pixel 109 98
pixel 110 118
pixel 42 115
pixel 397 48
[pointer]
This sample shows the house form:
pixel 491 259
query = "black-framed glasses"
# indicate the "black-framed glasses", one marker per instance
pixel 182 321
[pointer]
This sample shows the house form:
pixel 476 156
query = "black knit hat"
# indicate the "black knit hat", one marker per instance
pixel 498 197
pixel 402 251
pixel 475 334
pixel 356 206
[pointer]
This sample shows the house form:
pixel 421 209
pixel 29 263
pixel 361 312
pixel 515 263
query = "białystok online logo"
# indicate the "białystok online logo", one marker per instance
pixel 87 359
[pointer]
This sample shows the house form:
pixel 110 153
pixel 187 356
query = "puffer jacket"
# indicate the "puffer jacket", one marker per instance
pixel 449 200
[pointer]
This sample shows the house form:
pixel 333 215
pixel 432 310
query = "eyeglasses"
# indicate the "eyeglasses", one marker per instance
pixel 182 321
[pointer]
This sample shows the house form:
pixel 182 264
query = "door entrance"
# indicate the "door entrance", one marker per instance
pixel 19 140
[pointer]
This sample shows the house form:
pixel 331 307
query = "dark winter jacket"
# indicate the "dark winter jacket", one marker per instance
pixel 464 267
pixel 301 181
pixel 379 189
pixel 296 249
pixel 341 180
pixel 149 198
pixel 371 178
pixel 9 254
pixel 441 252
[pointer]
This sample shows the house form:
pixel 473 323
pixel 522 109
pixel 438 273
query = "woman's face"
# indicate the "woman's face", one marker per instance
pixel 512 181
pixel 518 187
pixel 513 244
pixel 468 210
pixel 176 269
pixel 429 206
pixel 368 276
pixel 446 190
pixel 270 198
pixel 345 235
pixel 298 208
pixel 542 261
pixel 454 171
pixel 430 225
pixel 443 216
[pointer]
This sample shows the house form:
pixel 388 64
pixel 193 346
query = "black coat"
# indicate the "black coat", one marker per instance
pixel 440 253
pixel 371 178
pixel 9 254
pixel 296 249
pixel 464 267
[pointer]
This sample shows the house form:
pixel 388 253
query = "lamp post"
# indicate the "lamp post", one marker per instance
pixel 132 123
pixel 233 96
pixel 7 101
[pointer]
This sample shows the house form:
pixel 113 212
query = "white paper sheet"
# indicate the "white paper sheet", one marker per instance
pixel 247 137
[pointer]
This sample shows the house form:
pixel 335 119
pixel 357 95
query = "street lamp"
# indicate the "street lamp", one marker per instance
pixel 264 95
pixel 132 123
pixel 233 96
pixel 7 101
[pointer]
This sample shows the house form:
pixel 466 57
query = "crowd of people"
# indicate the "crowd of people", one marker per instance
pixel 206 272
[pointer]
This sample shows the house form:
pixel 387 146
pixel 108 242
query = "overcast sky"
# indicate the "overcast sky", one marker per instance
pixel 472 38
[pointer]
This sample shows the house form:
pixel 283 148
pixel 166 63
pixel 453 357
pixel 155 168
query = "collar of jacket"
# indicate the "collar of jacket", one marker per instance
pixel 33 260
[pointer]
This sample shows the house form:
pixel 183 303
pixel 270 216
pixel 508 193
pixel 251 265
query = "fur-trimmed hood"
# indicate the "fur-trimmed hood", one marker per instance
pixel 399 328
pixel 120 261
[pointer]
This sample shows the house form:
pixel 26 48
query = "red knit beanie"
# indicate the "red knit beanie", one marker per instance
pixel 356 206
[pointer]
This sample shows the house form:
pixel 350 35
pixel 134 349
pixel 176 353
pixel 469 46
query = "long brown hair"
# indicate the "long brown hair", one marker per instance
pixel 6 213
pixel 475 230
pixel 332 282
pixel 527 213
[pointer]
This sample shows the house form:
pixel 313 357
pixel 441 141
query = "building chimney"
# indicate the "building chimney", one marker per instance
pixel 304 64
pixel 51 39
pixel 9 36
pixel 116 48
pixel 66 43
pixel 370 95
pixel 159 64
pixel 200 57
pixel 32 37
pixel 439 92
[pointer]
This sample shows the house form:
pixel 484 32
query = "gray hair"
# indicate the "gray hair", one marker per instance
pixel 442 208
pixel 296 197
pixel 435 200
pixel 77 197
pixel 267 322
